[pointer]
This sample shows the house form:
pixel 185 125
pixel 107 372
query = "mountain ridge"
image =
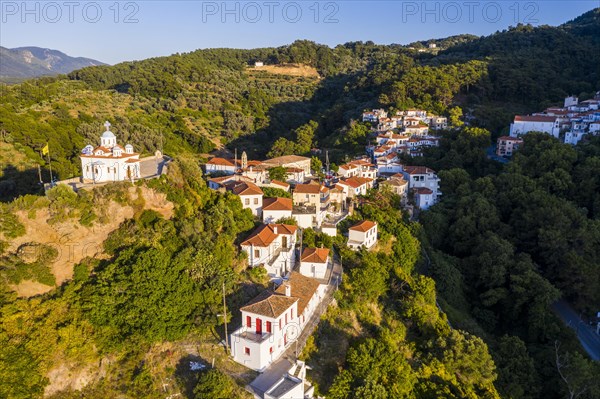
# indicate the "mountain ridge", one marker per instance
pixel 30 62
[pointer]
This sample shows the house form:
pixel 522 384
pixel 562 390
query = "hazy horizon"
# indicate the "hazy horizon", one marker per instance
pixel 146 29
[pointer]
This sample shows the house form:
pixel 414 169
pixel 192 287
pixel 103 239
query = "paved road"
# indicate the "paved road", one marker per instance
pixel 491 154
pixel 586 334
pixel 278 368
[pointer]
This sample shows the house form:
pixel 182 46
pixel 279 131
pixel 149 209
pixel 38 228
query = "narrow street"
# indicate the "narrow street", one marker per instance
pixel 587 335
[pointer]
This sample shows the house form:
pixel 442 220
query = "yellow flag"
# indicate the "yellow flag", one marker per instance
pixel 45 150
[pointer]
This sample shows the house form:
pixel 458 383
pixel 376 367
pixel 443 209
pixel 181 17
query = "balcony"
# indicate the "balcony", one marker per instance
pixel 244 333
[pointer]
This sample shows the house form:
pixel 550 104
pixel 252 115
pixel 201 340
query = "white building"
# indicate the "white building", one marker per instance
pixel 275 209
pixel 221 165
pixel 422 177
pixel 292 385
pixel 250 194
pixel 274 320
pixel 109 161
pixel 355 186
pixel 523 124
pixel 290 161
pixel 314 262
pixel 272 246
pixel 424 197
pixel 363 234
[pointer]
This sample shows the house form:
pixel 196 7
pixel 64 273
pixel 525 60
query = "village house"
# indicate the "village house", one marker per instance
pixel 396 184
pixel 374 115
pixel 389 164
pixel 275 209
pixel 358 168
pixel 421 129
pixel 421 176
pixel 507 145
pixel 295 175
pixel 290 161
pixel 274 320
pixel 437 122
pixel 272 246
pixel 362 234
pixel 314 262
pixel 355 186
pixel 337 199
pixel 424 197
pixel 221 165
pixel 109 162
pixel 315 195
pixel 250 194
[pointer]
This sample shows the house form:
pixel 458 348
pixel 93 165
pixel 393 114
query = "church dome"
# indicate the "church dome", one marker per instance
pixel 108 135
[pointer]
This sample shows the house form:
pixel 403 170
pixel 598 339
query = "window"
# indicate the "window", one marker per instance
pixel 255 201
pixel 271 350
pixel 269 327
pixel 248 321
pixel 247 201
pixel 286 319
pixel 280 324
pixel 247 351
pixel 292 314
pixel 257 253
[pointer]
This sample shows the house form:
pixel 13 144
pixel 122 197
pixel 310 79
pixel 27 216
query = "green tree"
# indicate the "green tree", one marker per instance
pixel 278 173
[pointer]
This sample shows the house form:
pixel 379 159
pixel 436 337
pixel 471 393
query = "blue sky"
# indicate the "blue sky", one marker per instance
pixel 114 31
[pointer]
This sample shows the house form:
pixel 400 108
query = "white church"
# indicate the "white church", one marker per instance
pixel 109 161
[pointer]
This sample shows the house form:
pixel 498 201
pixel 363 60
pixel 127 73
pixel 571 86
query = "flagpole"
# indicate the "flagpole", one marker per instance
pixel 49 165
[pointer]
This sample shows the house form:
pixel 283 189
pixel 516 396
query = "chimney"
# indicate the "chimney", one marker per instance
pixel 288 290
pixel 275 228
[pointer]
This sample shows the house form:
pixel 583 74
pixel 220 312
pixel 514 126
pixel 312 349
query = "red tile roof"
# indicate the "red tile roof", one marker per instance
pixel 418 170
pixel 269 304
pixel 534 118
pixel 310 189
pixel 277 204
pixel 363 226
pixel 265 234
pixel 356 182
pixel 315 255
pixel 220 161
pixel 243 188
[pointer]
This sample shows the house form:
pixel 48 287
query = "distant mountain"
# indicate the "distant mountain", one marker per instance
pixel 30 62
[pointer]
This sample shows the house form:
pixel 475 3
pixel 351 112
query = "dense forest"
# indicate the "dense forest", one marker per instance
pixel 456 305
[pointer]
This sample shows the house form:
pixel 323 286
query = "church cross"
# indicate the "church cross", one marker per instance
pixel 107 125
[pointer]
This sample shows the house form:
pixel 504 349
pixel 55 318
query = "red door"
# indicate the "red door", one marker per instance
pixel 258 326
pixel 269 327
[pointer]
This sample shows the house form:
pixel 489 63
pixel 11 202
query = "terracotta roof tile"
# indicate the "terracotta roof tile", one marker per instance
pixel 265 234
pixel 277 204
pixel 363 226
pixel 269 304
pixel 315 255
pixel 303 288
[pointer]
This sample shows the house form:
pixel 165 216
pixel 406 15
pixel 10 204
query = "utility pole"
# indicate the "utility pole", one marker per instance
pixel 225 320
pixel 40 174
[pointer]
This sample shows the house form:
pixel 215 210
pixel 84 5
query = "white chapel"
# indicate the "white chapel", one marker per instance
pixel 109 161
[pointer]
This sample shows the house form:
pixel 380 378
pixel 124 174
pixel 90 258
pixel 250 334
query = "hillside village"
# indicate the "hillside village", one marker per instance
pixel 303 198
pixel 570 123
